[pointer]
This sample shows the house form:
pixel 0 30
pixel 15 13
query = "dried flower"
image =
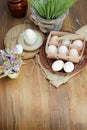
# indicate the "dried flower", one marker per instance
pixel 9 60
pixel 16 68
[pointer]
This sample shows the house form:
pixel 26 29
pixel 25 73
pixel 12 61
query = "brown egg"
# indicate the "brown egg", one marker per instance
pixel 54 41
pixel 73 53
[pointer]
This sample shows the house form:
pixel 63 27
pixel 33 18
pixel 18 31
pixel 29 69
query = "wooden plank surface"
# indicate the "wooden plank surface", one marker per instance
pixel 30 102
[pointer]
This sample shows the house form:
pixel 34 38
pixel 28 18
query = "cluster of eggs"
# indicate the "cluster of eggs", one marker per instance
pixel 65 47
pixel 59 65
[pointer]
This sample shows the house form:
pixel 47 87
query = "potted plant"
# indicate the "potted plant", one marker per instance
pixel 50 14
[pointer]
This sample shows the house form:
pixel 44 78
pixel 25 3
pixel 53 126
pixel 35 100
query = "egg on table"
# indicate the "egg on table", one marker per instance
pixel 77 44
pixel 68 67
pixel 30 37
pixel 57 65
pixel 52 49
pixel 63 50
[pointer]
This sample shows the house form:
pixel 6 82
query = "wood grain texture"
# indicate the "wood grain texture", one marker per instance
pixel 30 102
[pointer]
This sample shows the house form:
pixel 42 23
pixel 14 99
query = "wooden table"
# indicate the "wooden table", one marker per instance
pixel 30 102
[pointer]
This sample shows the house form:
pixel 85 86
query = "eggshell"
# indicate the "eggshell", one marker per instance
pixel 73 53
pixel 52 49
pixel 57 65
pixel 78 44
pixel 66 42
pixel 68 67
pixel 30 36
pixel 63 50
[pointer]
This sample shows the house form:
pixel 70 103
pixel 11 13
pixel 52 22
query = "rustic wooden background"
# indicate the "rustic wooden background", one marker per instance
pixel 30 102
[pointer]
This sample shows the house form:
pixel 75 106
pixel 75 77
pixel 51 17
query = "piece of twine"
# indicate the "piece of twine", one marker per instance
pixel 32 69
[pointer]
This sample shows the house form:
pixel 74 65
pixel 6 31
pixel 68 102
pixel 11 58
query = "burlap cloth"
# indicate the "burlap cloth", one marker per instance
pixel 59 78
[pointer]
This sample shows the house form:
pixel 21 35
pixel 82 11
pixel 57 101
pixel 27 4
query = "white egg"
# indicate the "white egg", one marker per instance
pixel 73 53
pixel 18 49
pixel 68 67
pixel 63 50
pixel 30 36
pixel 66 42
pixel 52 49
pixel 57 65
pixel 78 44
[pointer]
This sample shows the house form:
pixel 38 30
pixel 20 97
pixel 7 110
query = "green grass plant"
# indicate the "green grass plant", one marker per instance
pixel 51 9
